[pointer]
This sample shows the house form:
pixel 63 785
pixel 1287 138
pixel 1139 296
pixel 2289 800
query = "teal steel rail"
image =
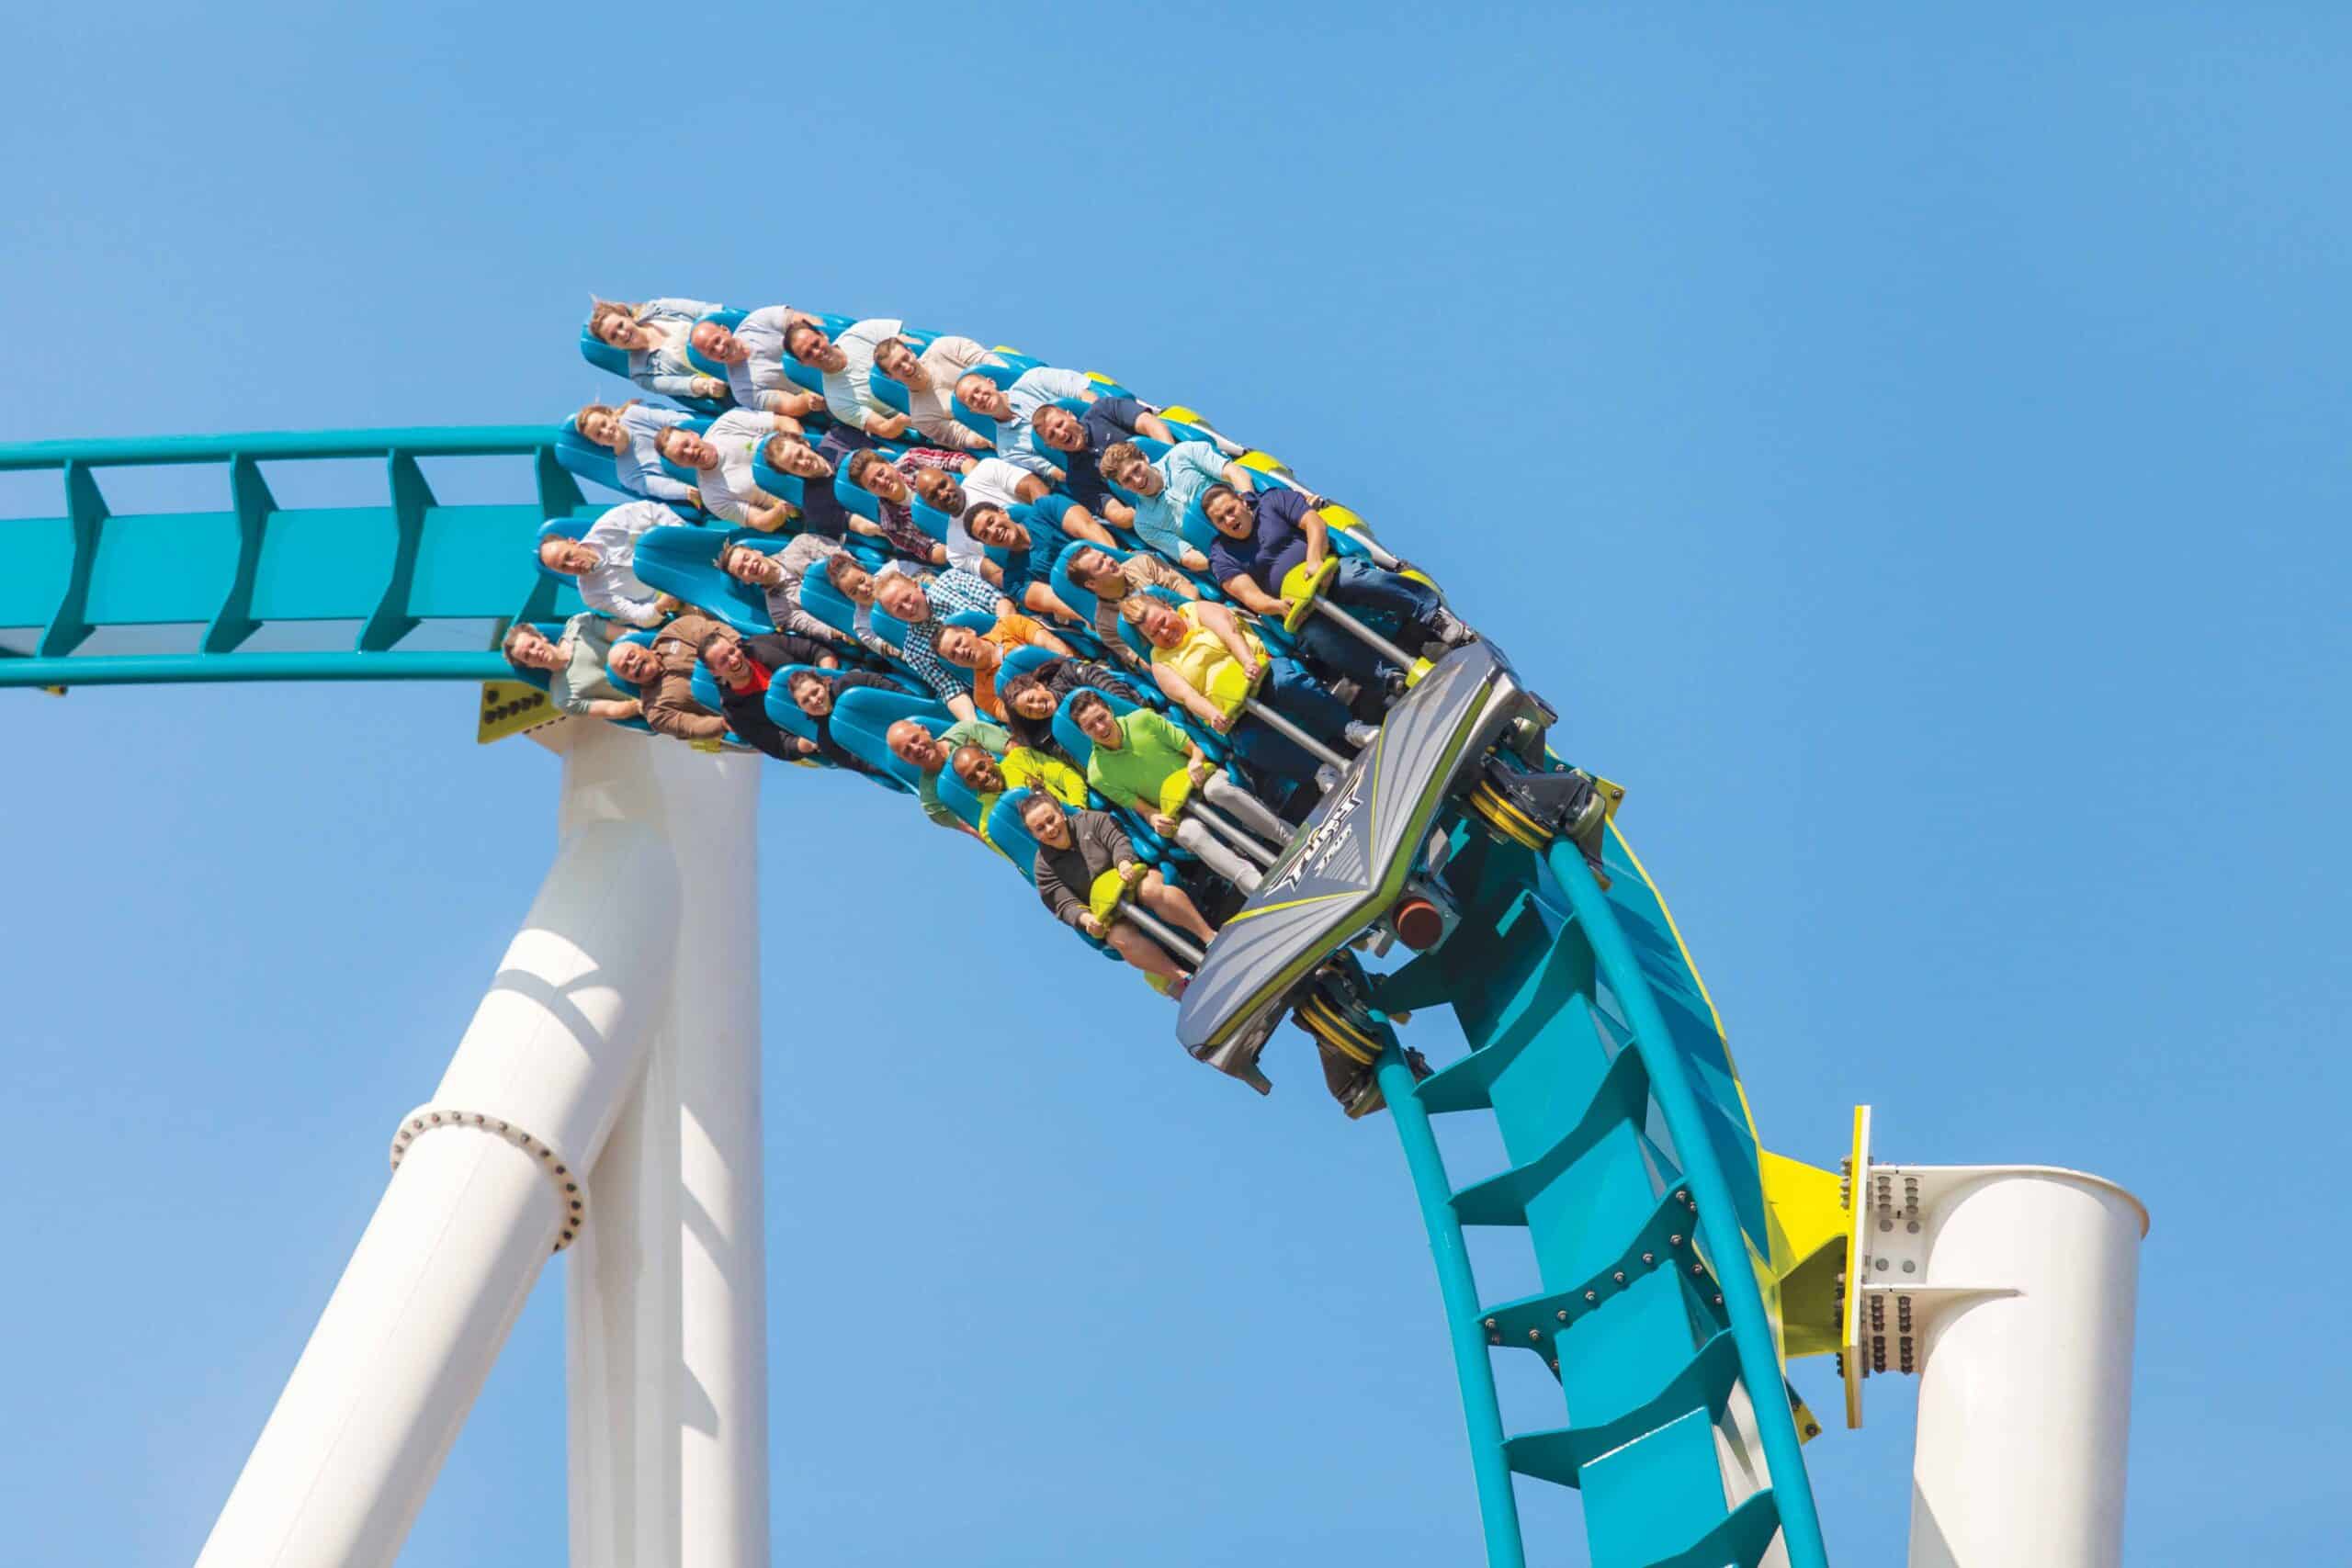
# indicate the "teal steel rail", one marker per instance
pixel 225 573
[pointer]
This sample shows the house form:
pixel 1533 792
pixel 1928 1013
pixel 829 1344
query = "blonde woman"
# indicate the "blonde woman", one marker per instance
pixel 654 335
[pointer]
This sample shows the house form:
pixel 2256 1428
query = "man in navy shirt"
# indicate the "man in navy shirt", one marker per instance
pixel 1032 543
pixel 1079 444
pixel 1271 542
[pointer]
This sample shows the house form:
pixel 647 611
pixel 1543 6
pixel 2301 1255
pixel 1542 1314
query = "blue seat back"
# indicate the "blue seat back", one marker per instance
pixel 890 394
pixel 683 562
pixel 957 797
pixel 1025 660
pixel 1069 737
pixel 731 319
pixel 572 527
pixel 705 687
pixel 930 519
pixel 1011 836
pixel 973 620
pixel 602 354
pixel 860 502
pixel 862 721
pixel 1002 374
pixel 582 459
pixel 643 639
pixel 783 710
pixel 827 603
pixel 775 481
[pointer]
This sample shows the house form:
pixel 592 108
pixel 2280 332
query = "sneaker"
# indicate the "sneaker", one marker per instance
pixel 1347 689
pixel 1359 735
pixel 1327 778
pixel 1449 628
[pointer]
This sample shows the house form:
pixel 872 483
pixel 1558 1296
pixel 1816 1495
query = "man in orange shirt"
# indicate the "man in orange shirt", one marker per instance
pixel 982 653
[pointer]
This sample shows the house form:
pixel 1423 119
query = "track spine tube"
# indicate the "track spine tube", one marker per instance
pixel 1472 1363
pixel 1718 1224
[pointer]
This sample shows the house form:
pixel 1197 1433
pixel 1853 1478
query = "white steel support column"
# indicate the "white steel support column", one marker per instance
pixel 483 1192
pixel 2014 1287
pixel 666 1305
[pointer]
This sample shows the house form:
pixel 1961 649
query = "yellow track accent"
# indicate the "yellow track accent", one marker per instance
pixel 510 707
pixel 1326 1023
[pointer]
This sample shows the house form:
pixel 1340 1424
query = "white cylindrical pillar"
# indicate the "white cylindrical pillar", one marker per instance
pixel 667 1308
pixel 2025 1397
pixel 487 1174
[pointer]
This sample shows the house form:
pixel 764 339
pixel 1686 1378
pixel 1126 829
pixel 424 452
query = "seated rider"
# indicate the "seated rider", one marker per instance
pixel 602 558
pixel 1014 406
pixel 815 696
pixel 1110 580
pixel 778 574
pixel 574 667
pixel 1027 577
pixel 845 367
pixel 744 668
pixel 982 653
pixel 923 606
pixel 893 495
pixel 1273 543
pixel 1208 662
pixel 853 582
pixel 1147 764
pixel 988 776
pixel 654 336
pixel 926 754
pixel 1164 490
pixel 1086 867
pixel 628 432
pixel 753 354
pixel 928 379
pixel 1080 443
pixel 721 458
pixel 665 672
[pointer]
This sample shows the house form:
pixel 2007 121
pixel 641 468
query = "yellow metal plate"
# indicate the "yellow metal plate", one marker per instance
pixel 510 707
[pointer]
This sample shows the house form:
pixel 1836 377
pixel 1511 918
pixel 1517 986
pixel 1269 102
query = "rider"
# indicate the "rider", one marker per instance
pixel 1085 868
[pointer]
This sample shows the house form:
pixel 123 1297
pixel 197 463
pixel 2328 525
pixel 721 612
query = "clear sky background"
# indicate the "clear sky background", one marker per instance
pixel 1910 449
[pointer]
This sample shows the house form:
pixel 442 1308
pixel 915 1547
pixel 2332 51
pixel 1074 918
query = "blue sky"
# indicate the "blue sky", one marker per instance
pixel 1908 448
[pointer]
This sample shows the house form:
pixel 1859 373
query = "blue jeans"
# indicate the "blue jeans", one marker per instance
pixel 1389 602
pixel 1292 691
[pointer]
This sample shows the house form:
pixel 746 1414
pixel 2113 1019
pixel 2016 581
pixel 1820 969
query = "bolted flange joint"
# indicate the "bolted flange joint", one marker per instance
pixel 571 1188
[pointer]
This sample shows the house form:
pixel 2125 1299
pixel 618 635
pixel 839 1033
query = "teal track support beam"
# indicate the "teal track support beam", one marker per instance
pixel 213 579
pixel 1718 1222
pixel 1588 1047
pixel 1498 1503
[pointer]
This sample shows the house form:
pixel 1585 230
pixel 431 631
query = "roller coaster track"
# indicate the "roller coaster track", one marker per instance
pixel 1634 1169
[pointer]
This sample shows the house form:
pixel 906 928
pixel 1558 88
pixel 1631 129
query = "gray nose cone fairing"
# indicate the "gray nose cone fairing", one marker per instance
pixel 1343 869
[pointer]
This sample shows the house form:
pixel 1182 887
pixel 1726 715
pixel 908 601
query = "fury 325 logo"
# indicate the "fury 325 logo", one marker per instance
pixel 1325 841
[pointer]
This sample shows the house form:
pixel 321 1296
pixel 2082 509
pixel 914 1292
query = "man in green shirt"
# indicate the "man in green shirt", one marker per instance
pixel 1143 762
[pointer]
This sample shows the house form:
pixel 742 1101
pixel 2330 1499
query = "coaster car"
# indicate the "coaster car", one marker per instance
pixel 1468 730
